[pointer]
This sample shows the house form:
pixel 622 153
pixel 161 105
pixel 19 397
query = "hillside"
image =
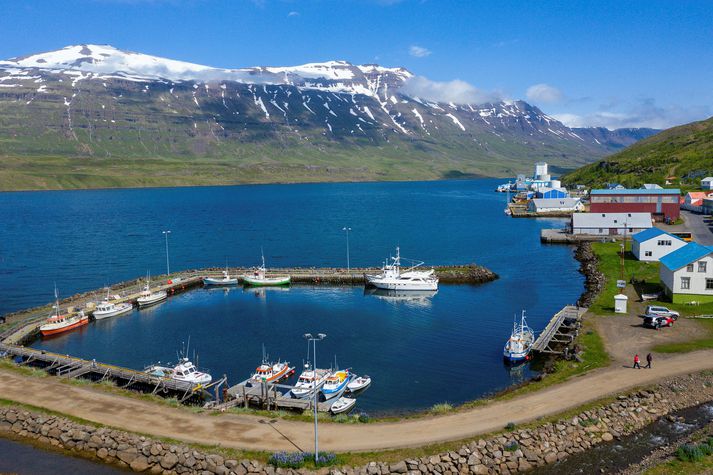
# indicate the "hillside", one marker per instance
pixel 684 152
pixel 95 116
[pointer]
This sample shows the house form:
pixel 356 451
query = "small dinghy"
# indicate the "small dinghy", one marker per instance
pixel 359 384
pixel 341 405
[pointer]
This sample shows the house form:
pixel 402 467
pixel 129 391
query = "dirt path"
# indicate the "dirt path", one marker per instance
pixel 253 433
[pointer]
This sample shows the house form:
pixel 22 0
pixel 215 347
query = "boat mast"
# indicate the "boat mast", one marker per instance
pixel 56 301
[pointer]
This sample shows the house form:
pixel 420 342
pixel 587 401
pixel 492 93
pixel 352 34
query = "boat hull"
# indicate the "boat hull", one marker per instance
pixel 50 330
pixel 210 281
pixel 342 405
pixel 386 285
pixel 269 282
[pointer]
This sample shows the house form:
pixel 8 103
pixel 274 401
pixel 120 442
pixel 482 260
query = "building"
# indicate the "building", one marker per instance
pixel 615 186
pixel 707 206
pixel 707 183
pixel 687 274
pixel 541 171
pixel 662 204
pixel 693 201
pixel 654 243
pixel 555 205
pixel 651 186
pixel 610 224
pixel 547 193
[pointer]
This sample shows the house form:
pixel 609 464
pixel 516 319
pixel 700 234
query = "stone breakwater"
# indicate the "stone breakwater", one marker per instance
pixel 594 280
pixel 519 450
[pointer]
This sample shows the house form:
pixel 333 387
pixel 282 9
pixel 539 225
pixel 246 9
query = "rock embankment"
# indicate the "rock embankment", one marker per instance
pixel 594 280
pixel 515 451
pixel 468 274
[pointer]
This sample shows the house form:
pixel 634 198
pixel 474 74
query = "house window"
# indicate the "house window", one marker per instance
pixel 648 253
pixel 686 283
pixel 689 268
pixel 709 284
pixel 702 266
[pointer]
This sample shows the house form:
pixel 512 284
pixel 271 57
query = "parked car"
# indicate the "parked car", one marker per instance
pixel 658 321
pixel 661 311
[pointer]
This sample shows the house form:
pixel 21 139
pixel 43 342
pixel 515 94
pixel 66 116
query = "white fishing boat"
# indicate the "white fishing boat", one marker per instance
pixel 336 384
pixel 308 380
pixel 108 309
pixel 225 280
pixel 392 278
pixel 517 348
pixel 184 371
pixel 259 277
pixel 341 405
pixel 359 384
pixel 149 297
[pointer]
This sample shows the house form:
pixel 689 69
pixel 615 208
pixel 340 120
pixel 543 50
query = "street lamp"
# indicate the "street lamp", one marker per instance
pixel 314 340
pixel 346 230
pixel 168 267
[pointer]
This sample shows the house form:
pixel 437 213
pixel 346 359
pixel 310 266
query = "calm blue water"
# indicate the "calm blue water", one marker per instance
pixel 443 348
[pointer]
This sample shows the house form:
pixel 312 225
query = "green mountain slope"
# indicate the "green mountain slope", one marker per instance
pixel 684 152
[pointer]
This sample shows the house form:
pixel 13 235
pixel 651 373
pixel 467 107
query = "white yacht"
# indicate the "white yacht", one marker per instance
pixel 392 278
pixel 108 309
pixel 307 380
pixel 148 297
pixel 183 371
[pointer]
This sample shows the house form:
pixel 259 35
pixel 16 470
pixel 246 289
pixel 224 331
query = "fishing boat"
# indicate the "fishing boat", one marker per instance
pixel 259 277
pixel 148 297
pixel 225 280
pixel 269 372
pixel 341 405
pixel 308 380
pixel 392 278
pixel 359 384
pixel 60 323
pixel 107 308
pixel 336 384
pixel 184 371
pixel 517 348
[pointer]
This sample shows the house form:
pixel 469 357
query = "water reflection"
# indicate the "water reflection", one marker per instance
pixel 416 298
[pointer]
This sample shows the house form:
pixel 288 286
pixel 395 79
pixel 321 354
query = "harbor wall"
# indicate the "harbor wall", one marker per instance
pixel 513 451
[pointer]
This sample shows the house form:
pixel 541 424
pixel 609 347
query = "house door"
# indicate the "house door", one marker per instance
pixel 613 231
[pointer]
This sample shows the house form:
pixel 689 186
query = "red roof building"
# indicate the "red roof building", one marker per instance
pixel 661 203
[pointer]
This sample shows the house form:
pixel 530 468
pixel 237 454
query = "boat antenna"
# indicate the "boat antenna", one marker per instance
pixel 56 300
pixel 188 345
pixel 262 253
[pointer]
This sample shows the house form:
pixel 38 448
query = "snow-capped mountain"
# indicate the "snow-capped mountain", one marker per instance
pixel 96 100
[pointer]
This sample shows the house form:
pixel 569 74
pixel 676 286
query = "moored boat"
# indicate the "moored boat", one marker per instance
pixel 308 380
pixel 225 280
pixel 517 348
pixel 108 309
pixel 359 384
pixel 269 372
pixel 149 297
pixel 392 278
pixel 342 405
pixel 60 323
pixel 184 371
pixel 259 277
pixel 336 384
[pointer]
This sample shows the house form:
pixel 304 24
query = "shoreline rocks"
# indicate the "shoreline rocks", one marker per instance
pixel 515 451
pixel 593 279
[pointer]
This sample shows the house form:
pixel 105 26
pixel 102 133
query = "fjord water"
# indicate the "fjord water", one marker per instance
pixel 447 347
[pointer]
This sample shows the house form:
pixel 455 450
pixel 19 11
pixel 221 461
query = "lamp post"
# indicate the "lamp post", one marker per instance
pixel 168 267
pixel 346 230
pixel 314 340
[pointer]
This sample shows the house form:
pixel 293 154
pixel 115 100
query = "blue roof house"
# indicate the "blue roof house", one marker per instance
pixel 653 244
pixel 687 274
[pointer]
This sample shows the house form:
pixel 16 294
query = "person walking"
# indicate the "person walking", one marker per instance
pixel 649 359
pixel 636 361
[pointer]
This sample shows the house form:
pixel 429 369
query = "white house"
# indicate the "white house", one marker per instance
pixel 707 183
pixel 610 224
pixel 687 274
pixel 654 243
pixel 555 205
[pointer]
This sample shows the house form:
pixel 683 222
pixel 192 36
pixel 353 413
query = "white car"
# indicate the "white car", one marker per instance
pixel 662 311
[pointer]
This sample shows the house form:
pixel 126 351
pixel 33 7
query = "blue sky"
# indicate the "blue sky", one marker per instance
pixel 610 63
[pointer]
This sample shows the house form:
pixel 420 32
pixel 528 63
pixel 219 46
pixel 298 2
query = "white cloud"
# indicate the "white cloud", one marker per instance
pixel 640 113
pixel 543 93
pixel 457 91
pixel 293 13
pixel 419 51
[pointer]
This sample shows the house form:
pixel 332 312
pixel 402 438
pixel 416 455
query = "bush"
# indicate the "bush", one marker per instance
pixel 364 417
pixel 689 453
pixel 510 426
pixel 441 408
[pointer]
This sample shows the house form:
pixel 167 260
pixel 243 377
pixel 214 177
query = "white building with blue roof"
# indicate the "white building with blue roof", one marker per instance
pixel 687 274
pixel 654 243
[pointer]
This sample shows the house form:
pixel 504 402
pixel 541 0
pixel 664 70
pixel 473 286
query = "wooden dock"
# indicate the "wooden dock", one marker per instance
pixel 69 367
pixel 560 332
